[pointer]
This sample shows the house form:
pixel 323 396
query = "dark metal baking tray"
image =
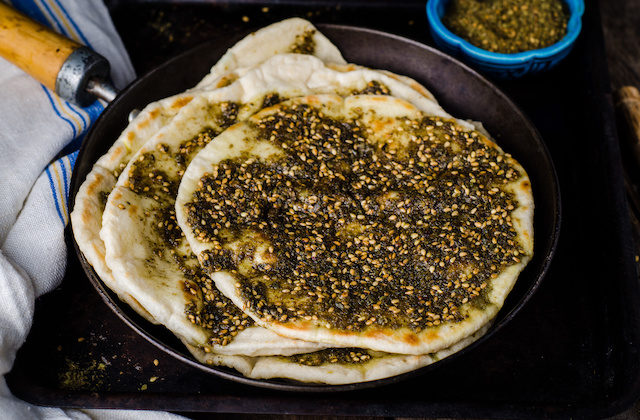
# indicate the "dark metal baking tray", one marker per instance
pixel 571 352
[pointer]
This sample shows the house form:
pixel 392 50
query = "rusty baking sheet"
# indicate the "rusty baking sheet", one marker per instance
pixel 571 352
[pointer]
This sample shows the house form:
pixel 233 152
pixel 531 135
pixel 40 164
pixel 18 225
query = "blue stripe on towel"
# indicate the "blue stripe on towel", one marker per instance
pixel 72 159
pixel 57 111
pixel 60 24
pixel 54 192
pixel 83 116
pixel 81 36
pixel 59 177
pixel 94 110
pixel 31 9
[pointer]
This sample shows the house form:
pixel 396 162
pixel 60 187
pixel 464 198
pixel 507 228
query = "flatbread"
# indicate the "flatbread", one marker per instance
pixel 360 222
pixel 86 217
pixel 144 247
pixel 293 35
pixel 333 366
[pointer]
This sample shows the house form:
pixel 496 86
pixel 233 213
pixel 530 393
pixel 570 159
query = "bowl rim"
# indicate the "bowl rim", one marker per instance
pixel 574 26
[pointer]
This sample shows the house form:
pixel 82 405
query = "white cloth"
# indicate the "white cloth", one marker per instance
pixel 35 127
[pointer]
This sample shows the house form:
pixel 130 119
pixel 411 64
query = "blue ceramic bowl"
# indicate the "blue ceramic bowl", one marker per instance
pixel 498 65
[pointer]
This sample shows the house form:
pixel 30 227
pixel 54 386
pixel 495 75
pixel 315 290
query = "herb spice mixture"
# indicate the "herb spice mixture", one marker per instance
pixel 304 44
pixel 352 356
pixel 507 26
pixel 360 232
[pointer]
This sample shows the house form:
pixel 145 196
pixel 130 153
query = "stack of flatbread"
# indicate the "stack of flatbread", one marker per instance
pixel 296 216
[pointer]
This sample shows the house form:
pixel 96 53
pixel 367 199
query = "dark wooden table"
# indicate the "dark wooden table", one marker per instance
pixel 621 28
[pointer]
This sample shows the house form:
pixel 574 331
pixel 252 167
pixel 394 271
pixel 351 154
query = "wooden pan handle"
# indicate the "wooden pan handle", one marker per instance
pixel 34 48
pixel 75 72
pixel 627 105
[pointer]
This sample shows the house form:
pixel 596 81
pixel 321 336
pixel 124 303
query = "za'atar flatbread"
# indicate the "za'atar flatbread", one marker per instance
pixel 333 366
pixel 144 246
pixel 360 222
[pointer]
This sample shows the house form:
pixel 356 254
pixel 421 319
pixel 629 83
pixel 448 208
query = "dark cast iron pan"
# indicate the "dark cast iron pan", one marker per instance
pixel 460 90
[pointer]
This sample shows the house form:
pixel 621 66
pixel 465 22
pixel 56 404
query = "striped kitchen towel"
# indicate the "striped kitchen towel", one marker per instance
pixel 36 128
